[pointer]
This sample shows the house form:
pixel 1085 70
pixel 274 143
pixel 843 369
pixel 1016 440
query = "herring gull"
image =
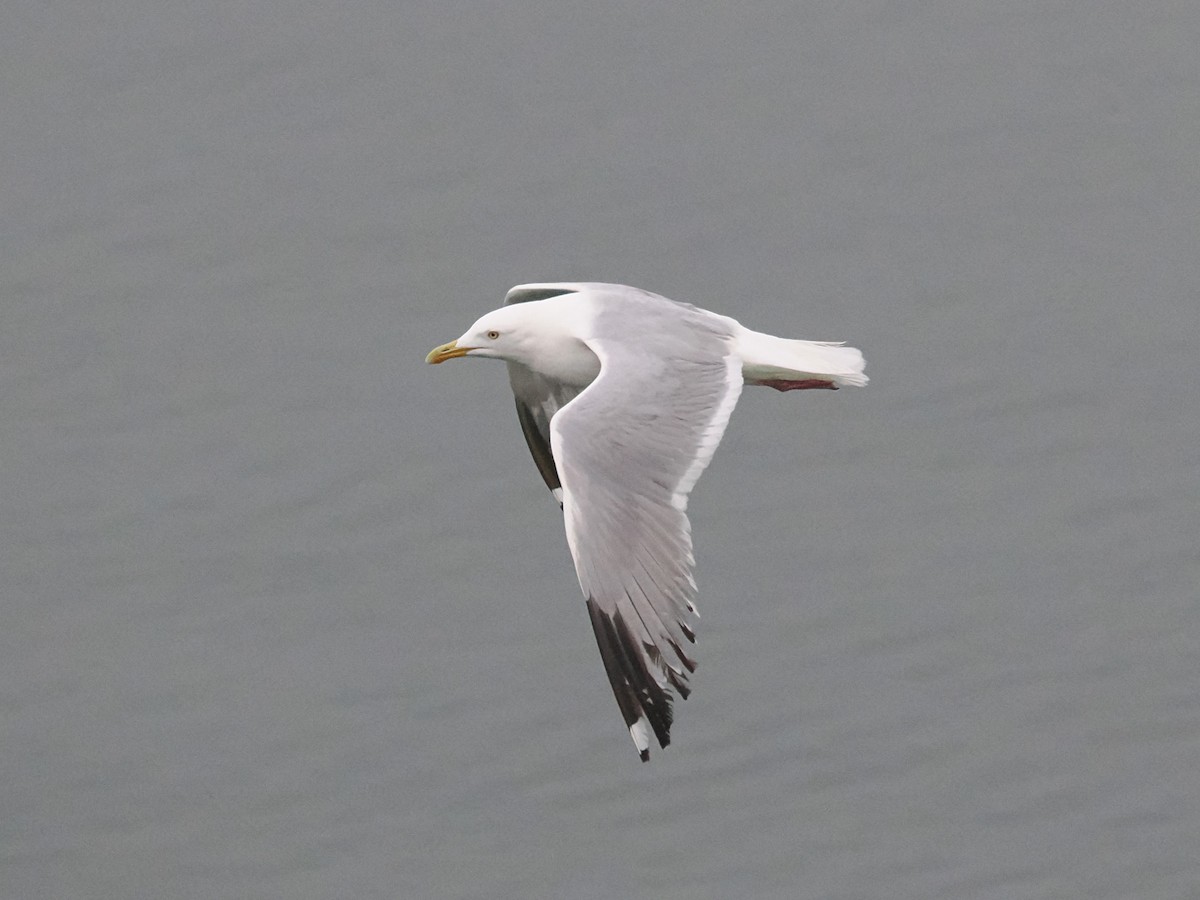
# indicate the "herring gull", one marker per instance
pixel 623 396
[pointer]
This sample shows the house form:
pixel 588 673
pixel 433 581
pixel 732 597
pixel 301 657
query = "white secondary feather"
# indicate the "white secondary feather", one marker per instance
pixel 623 396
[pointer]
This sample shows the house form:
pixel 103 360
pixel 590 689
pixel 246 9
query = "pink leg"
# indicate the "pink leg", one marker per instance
pixel 807 384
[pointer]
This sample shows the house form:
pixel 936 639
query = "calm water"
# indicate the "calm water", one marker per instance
pixel 288 614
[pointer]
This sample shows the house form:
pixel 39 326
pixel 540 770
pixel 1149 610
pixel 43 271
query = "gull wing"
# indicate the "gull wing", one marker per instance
pixel 628 450
pixel 538 398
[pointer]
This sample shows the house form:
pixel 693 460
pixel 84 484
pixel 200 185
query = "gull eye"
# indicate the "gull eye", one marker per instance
pixel 492 335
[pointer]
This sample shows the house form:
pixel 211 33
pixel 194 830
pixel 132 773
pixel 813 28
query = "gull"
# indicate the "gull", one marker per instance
pixel 623 395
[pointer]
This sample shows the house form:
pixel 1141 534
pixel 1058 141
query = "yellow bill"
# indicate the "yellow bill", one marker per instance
pixel 445 352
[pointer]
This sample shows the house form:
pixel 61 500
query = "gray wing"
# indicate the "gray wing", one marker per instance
pixel 629 449
pixel 538 398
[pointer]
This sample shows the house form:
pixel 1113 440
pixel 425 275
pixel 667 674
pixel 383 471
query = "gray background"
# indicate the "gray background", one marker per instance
pixel 288 614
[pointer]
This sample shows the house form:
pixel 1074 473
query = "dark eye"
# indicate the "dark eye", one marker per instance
pixel 492 335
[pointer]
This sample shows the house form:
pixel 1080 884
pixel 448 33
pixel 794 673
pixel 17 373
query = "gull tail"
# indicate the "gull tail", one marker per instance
pixel 789 365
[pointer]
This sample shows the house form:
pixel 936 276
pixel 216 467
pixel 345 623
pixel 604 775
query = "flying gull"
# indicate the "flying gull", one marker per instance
pixel 623 396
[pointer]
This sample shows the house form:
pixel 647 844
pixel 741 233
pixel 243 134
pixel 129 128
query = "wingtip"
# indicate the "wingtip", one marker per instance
pixel 641 737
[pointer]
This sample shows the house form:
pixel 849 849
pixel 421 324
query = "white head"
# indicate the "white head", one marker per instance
pixel 502 334
pixel 544 335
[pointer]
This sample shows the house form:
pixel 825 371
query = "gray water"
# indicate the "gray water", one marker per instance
pixel 287 613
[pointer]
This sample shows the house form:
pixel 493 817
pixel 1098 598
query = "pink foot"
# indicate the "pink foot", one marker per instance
pixel 807 384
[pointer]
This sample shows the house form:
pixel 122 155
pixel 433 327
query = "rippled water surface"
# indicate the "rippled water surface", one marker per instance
pixel 287 613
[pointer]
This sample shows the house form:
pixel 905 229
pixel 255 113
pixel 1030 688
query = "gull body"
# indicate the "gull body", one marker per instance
pixel 550 337
pixel 623 395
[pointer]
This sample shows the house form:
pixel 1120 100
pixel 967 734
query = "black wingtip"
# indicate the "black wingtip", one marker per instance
pixel 525 295
pixel 638 693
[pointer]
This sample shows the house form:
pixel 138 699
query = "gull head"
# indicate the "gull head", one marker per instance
pixel 498 335
pixel 543 335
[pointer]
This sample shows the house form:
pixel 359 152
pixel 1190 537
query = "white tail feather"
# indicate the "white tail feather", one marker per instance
pixel 766 358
